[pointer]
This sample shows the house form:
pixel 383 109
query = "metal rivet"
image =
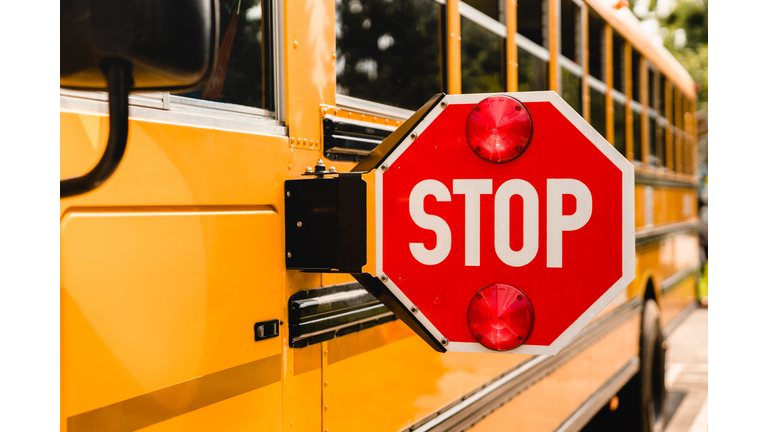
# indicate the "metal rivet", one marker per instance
pixel 444 341
pixel 333 169
pixel 384 278
pixel 295 44
pixel 309 169
pixel 299 224
pixel 414 309
pixel 384 167
pixel 289 254
pixel 291 422
pixel 333 55
pixel 413 136
pixel 288 193
pixel 326 352
pixel 326 407
pixel 326 383
pixel 443 104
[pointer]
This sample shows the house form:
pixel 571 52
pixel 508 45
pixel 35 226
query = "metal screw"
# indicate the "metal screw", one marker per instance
pixel 289 254
pixel 477 108
pixel 479 337
pixel 443 104
pixel 444 341
pixel 478 148
pixel 309 169
pixel 384 167
pixel 519 297
pixel 479 296
pixel 413 136
pixel 299 224
pixel 519 338
pixel 384 278
pixel 333 169
pixel 288 193
pixel 414 309
pixel 518 107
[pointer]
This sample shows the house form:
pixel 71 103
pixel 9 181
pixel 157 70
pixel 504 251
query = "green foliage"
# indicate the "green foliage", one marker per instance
pixel 690 17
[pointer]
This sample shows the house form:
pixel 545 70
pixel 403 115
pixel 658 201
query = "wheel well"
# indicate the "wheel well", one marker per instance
pixel 650 292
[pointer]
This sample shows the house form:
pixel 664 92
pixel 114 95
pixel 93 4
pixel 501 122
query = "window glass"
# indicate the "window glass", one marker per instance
pixel 482 59
pixel 636 76
pixel 570 30
pixel 532 72
pixel 637 141
pixel 619 129
pixel 492 8
pixel 242 74
pixel 673 105
pixel 571 89
pixel 653 148
pixel 389 51
pixel 596 47
pixel 597 110
pixel 662 96
pixel 661 136
pixel 618 63
pixel 673 144
pixel 531 20
pixel 652 102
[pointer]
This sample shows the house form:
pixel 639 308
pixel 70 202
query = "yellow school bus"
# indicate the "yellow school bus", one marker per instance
pixel 178 311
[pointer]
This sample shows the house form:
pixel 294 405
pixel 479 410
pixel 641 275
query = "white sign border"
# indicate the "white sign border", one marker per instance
pixel 628 219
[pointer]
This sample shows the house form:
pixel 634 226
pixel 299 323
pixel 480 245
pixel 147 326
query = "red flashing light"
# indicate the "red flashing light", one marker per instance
pixel 499 129
pixel 500 317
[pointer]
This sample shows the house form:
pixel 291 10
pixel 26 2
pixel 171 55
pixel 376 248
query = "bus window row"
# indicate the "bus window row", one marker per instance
pixel 394 52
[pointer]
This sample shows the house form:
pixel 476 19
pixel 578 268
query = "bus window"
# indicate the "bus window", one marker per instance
pixel 389 51
pixel 483 49
pixel 661 136
pixel 662 95
pixel 636 87
pixel 653 149
pixel 533 65
pixel 619 124
pixel 596 46
pixel 531 21
pixel 637 141
pixel 243 73
pixel 597 107
pixel 570 31
pixel 571 85
pixel 618 63
pixel 491 8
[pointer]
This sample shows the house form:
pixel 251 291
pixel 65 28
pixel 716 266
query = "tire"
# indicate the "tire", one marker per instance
pixel 651 375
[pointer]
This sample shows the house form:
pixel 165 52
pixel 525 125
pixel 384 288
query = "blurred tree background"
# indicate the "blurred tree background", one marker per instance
pixel 683 27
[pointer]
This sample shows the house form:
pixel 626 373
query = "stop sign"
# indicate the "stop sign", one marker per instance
pixel 547 228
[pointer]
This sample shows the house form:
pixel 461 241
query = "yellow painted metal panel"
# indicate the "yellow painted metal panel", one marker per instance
pixel 669 205
pixel 454 46
pixel 663 259
pixel 512 66
pixel 154 298
pixel 675 300
pixel 392 386
pixel 546 405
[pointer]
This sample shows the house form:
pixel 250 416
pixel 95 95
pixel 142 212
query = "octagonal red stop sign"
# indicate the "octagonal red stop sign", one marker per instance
pixel 556 223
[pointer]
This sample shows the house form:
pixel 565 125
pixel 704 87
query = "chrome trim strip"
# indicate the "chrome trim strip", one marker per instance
pixel 342 296
pixel 652 180
pixel 678 319
pixel 597 84
pixel 346 325
pixel 619 96
pixel 648 236
pixel 358 139
pixel 474 406
pixel 679 276
pixel 584 414
pixel 532 47
pixel 360 123
pixel 636 106
pixel 373 108
pixel 570 65
pixel 186 116
pixel 223 106
pixel 652 112
pixel 482 20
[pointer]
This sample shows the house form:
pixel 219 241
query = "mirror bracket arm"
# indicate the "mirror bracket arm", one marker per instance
pixel 119 82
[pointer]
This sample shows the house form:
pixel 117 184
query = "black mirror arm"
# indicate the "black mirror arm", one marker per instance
pixel 119 83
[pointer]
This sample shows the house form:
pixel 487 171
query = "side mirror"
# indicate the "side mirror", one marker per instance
pixel 129 45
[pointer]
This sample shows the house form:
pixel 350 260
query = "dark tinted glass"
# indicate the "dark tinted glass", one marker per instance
pixel 636 76
pixel 653 146
pixel 570 30
pixel 651 88
pixel 662 96
pixel 531 19
pixel 492 8
pixel 571 89
pixel 597 110
pixel 673 144
pixel 482 59
pixel 637 141
pixel 388 51
pixel 661 136
pixel 618 63
pixel 619 129
pixel 532 72
pixel 243 71
pixel 596 47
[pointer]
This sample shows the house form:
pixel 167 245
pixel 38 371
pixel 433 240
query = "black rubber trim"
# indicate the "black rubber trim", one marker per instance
pixel 119 82
pixel 377 156
pixel 382 293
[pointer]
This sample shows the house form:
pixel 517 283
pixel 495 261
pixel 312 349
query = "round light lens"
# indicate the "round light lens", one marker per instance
pixel 499 129
pixel 500 317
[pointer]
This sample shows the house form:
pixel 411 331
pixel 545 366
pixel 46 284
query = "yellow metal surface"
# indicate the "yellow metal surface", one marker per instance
pixel 661 260
pixel 454 46
pixel 553 31
pixel 628 113
pixel 153 297
pixel 669 205
pixel 676 299
pixel 392 386
pixel 512 65
pixel 544 406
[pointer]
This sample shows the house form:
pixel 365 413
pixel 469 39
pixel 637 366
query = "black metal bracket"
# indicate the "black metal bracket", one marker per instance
pixel 266 330
pixel 325 224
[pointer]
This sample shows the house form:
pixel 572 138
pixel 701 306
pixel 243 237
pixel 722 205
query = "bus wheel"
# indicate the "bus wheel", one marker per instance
pixel 652 363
